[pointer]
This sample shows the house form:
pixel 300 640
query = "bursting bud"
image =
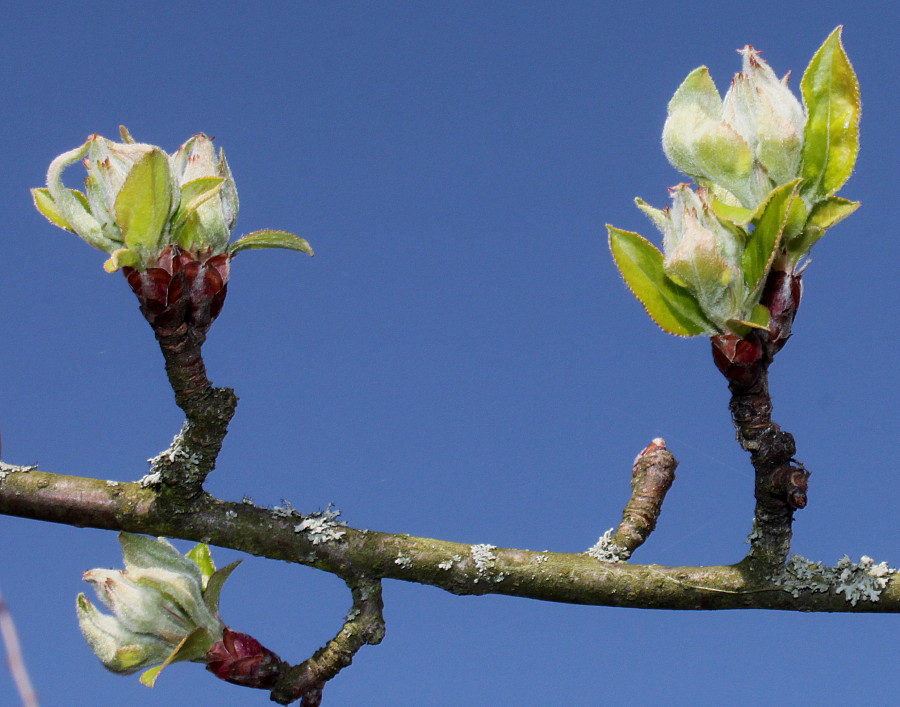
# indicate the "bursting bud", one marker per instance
pixel 702 254
pixel 164 220
pixel 747 144
pixel 768 116
pixel 164 607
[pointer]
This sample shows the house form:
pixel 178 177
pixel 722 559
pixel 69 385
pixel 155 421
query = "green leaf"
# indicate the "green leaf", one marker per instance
pixel 214 587
pixel 192 647
pixel 270 239
pixel 657 216
pixel 796 218
pixel 123 257
pixel 831 136
pixel 142 204
pixel 44 203
pixel 765 238
pixel 148 677
pixel 190 232
pixel 830 211
pixel 202 557
pixel 758 319
pixel 672 307
pixel 195 193
pixel 738 215
pixel 801 244
pixel 144 552
pixel 823 215
pixel 71 208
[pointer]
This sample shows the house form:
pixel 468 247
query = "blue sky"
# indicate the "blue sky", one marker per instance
pixel 460 360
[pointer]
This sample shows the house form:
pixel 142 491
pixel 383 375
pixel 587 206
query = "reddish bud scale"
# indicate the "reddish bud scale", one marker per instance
pixel 741 360
pixel 181 288
pixel 781 297
pixel 242 660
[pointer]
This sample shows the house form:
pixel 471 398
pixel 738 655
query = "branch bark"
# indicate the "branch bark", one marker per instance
pixel 322 542
pixel 780 481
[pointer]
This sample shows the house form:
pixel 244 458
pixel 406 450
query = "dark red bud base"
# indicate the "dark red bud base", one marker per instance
pixel 181 288
pixel 242 660
pixel 743 359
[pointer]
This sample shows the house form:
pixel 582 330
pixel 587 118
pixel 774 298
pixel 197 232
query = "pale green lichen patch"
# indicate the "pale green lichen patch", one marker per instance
pixel 448 564
pixel 151 480
pixel 483 557
pixel 352 614
pixel 863 580
pixel 404 561
pixel 322 526
pixel 284 511
pixel 606 550
pixel 7 469
pixel 755 533
pixel 175 454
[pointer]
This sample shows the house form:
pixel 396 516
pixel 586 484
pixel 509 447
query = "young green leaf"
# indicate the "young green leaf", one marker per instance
pixel 142 204
pixel 738 215
pixel 193 194
pixel 764 240
pixel 830 211
pixel 202 557
pixel 120 258
pixel 214 586
pixel 758 319
pixel 831 135
pixel 672 307
pixel 44 203
pixel 270 239
pixel 657 216
pixel 192 647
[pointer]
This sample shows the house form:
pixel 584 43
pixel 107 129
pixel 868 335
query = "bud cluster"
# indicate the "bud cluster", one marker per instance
pixel 747 144
pixel 165 610
pixel 164 220
pixel 767 168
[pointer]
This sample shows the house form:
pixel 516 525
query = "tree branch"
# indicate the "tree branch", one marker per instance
pixel 781 481
pixel 320 541
pixel 180 299
pixel 364 625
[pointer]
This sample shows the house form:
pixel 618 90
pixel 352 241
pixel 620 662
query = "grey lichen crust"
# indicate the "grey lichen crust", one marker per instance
pixel 175 454
pixel 322 526
pixel 606 550
pixel 486 563
pixel 6 469
pixel 863 580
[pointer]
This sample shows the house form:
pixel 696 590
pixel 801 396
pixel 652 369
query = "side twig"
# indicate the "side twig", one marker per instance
pixel 364 625
pixel 780 481
pixel 14 657
pixel 651 478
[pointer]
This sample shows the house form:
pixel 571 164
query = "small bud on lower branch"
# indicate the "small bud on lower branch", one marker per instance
pixel 651 477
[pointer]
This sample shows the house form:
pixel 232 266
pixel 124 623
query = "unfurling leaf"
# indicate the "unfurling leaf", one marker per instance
pixel 142 204
pixel 764 240
pixel 44 203
pixel 831 135
pixel 672 307
pixel 270 239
